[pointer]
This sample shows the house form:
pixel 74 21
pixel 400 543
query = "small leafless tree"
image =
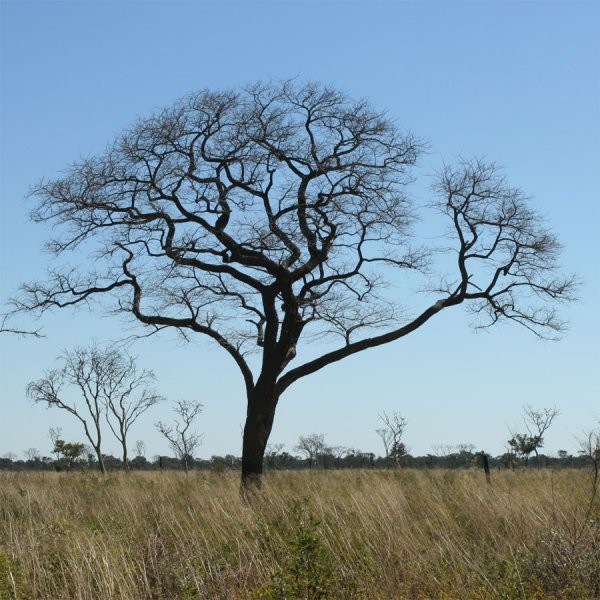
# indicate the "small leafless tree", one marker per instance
pixel 110 384
pixel 273 215
pixel 125 393
pixel 81 369
pixel 55 434
pixel 32 454
pixel 140 448
pixel 182 439
pixel 391 433
pixel 443 450
pixel 312 447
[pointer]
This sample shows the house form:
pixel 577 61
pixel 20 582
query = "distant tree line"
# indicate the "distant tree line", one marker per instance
pixel 462 456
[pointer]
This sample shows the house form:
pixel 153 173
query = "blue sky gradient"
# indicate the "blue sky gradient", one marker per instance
pixel 517 82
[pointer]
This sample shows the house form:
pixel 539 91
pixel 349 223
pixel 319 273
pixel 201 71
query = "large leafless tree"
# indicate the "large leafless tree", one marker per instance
pixel 269 216
pixel 182 439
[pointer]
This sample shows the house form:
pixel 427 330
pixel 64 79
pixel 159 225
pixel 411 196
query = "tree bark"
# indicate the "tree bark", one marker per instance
pixel 124 445
pixel 100 461
pixel 98 445
pixel 259 421
pixel 125 458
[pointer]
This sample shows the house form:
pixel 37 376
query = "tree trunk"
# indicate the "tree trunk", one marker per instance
pixel 259 421
pixel 125 458
pixel 98 445
pixel 124 444
pixel 100 461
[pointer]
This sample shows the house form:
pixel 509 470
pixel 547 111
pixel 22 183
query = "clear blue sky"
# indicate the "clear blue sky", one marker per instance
pixel 516 81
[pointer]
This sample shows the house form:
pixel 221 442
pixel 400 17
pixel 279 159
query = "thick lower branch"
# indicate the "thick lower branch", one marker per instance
pixel 331 357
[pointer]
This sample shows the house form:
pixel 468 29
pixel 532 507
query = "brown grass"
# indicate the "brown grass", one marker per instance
pixel 342 534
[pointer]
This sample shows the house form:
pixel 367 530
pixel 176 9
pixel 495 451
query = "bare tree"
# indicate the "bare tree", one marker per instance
pixel 140 448
pixel 443 450
pixel 109 383
pixel 537 422
pixel 32 454
pixel 82 370
pixel 273 215
pixel 55 434
pixel 391 433
pixel 182 439
pixel 312 447
pixel 125 394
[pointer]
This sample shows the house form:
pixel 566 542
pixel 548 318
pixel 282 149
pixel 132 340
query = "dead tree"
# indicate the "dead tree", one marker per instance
pixel 125 394
pixel 391 436
pixel 140 448
pixel 32 454
pixel 537 423
pixel 270 216
pixel 55 434
pixel 110 385
pixel 82 370
pixel 182 439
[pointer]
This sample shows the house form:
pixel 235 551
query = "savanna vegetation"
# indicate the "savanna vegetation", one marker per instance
pixel 314 534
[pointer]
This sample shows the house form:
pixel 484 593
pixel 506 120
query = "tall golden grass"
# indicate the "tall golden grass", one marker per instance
pixel 328 534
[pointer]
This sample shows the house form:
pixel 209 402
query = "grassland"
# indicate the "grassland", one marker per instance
pixel 342 534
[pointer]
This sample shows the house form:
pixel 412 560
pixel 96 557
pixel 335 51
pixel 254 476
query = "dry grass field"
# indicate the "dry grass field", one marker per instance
pixel 327 534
